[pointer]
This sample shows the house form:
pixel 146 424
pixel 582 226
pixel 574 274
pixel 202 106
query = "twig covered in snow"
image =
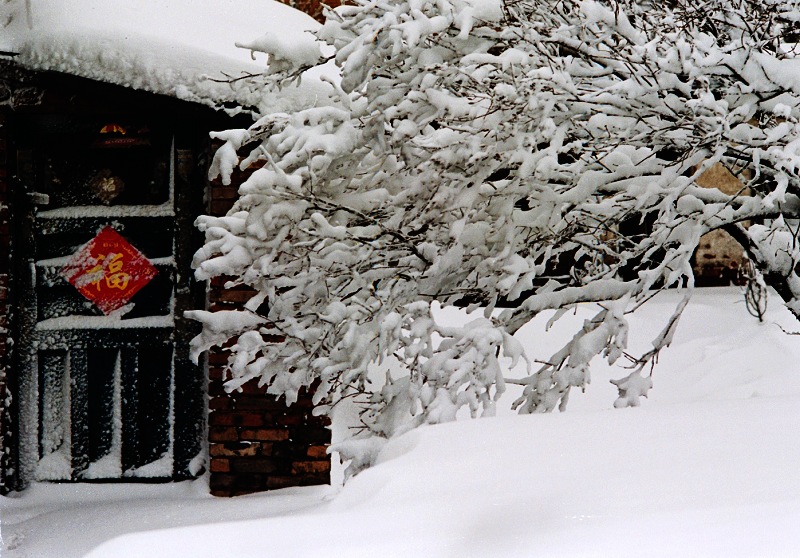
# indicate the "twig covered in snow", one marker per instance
pixel 533 154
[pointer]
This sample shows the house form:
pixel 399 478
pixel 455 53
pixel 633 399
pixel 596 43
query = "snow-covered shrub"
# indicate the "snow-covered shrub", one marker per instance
pixel 526 154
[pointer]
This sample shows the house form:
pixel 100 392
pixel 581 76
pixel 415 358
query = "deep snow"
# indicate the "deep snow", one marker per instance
pixel 708 466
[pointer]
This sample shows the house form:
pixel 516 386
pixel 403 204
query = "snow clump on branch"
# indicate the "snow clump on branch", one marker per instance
pixel 526 155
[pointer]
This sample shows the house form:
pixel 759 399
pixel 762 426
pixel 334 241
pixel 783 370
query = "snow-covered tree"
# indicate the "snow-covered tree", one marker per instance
pixel 523 154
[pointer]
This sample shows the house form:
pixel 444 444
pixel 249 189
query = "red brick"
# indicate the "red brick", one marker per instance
pixel 222 280
pixel 266 448
pixel 222 482
pixel 220 207
pixel 221 419
pixel 261 401
pixel 265 434
pixel 251 388
pixel 224 192
pixel 218 359
pixel 317 452
pixel 220 403
pixel 274 482
pixel 304 402
pixel 318 421
pixel 216 389
pixel 217 306
pixel 220 466
pixel 310 467
pixel 234 418
pixel 254 465
pixel 251 419
pixel 234 296
pixel 236 449
pixel 222 434
pixel 312 435
pixel 294 417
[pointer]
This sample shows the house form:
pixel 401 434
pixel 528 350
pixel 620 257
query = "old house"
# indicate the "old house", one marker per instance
pixel 105 113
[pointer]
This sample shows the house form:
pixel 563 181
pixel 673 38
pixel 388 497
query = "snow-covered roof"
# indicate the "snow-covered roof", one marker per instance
pixel 165 47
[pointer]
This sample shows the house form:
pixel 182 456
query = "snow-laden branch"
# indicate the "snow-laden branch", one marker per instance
pixel 532 154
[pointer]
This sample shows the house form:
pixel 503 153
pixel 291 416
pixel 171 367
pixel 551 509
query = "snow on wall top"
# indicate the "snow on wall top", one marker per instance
pixel 162 47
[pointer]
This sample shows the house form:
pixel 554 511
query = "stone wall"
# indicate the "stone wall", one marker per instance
pixel 255 441
pixel 719 258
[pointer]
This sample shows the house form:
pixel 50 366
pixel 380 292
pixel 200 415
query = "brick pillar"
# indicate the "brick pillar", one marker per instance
pixel 255 441
pixel 5 244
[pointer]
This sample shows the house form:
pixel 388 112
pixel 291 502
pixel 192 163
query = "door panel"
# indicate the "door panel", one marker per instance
pixel 97 391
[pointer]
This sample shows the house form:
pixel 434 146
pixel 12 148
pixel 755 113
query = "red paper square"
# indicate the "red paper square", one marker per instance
pixel 108 270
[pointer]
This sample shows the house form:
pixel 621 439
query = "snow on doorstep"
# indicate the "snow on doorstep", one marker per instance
pixel 161 47
pixel 55 466
pixel 107 467
pixel 162 467
pixel 66 520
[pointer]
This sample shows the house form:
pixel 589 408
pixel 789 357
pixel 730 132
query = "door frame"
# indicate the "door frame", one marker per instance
pixel 189 380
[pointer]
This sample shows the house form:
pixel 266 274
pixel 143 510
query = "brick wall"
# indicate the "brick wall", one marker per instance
pixel 5 243
pixel 255 441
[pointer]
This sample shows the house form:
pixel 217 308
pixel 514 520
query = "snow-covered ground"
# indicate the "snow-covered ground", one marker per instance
pixel 708 466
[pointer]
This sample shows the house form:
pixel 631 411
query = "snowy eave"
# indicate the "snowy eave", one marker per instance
pixel 170 48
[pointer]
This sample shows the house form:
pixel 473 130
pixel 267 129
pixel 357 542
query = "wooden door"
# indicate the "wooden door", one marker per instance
pixel 105 397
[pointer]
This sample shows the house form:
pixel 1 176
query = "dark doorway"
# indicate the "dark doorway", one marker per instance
pixel 105 395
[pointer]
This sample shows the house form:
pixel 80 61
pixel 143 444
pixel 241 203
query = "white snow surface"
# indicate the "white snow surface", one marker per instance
pixel 707 466
pixel 168 48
